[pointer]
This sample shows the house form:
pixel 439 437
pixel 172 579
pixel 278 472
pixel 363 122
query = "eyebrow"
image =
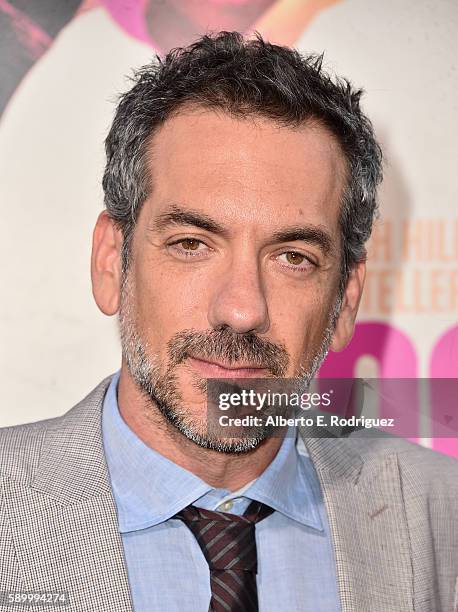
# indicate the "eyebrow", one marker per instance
pixel 178 216
pixel 311 234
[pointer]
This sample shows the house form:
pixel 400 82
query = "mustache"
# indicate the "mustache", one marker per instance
pixel 224 344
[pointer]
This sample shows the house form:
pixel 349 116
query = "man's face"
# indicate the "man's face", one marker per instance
pixel 235 261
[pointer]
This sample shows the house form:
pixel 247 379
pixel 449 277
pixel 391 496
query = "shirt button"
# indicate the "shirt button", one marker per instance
pixel 226 506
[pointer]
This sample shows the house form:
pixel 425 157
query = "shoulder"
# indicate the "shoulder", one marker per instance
pixel 21 445
pixel 427 470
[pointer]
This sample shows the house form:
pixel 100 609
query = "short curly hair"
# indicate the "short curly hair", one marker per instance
pixel 243 77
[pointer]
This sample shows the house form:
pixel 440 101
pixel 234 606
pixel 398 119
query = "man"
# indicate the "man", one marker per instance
pixel 240 188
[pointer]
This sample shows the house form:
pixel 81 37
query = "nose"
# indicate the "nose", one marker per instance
pixel 239 299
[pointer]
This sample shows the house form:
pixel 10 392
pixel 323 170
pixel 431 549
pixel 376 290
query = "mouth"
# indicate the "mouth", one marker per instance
pixel 218 369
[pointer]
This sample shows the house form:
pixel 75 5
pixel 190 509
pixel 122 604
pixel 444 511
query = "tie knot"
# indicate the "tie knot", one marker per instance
pixel 227 540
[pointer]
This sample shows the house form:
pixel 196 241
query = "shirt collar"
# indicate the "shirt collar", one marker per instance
pixel 289 484
pixel 149 488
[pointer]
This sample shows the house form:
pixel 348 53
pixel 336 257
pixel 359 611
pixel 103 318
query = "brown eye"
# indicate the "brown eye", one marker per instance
pixel 294 258
pixel 190 244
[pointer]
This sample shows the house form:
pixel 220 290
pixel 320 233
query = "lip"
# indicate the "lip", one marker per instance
pixel 213 369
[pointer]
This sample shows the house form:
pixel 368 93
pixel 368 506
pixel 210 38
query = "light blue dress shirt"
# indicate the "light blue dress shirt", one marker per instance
pixel 166 568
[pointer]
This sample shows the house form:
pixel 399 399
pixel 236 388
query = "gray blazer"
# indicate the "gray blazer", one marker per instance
pixel 392 506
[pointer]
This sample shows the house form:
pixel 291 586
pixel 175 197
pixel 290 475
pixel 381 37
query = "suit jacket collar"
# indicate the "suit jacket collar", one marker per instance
pixel 78 547
pixel 72 465
pixel 361 483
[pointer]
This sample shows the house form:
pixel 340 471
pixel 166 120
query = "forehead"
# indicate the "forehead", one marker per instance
pixel 249 169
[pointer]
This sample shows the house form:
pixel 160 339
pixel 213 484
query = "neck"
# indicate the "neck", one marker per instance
pixel 218 469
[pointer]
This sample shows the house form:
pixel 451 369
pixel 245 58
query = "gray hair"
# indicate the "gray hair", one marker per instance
pixel 243 77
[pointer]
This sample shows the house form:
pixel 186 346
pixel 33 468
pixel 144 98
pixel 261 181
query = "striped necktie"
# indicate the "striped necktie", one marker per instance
pixel 229 545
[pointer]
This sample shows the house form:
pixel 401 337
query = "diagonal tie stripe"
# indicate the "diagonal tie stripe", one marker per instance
pixel 211 544
pixel 229 544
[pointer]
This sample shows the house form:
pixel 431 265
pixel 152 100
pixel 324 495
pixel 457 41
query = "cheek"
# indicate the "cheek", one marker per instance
pixel 166 304
pixel 300 323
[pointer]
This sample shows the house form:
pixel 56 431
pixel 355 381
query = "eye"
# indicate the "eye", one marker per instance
pixel 189 247
pixel 296 261
pixel 190 244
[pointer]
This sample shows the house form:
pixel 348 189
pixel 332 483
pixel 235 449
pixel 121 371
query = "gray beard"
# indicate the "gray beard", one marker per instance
pixel 161 390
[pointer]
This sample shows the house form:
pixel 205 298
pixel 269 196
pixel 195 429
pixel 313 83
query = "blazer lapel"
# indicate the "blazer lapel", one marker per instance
pixel 368 524
pixel 69 540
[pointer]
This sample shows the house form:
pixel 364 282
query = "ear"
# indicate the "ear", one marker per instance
pixel 345 326
pixel 106 264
